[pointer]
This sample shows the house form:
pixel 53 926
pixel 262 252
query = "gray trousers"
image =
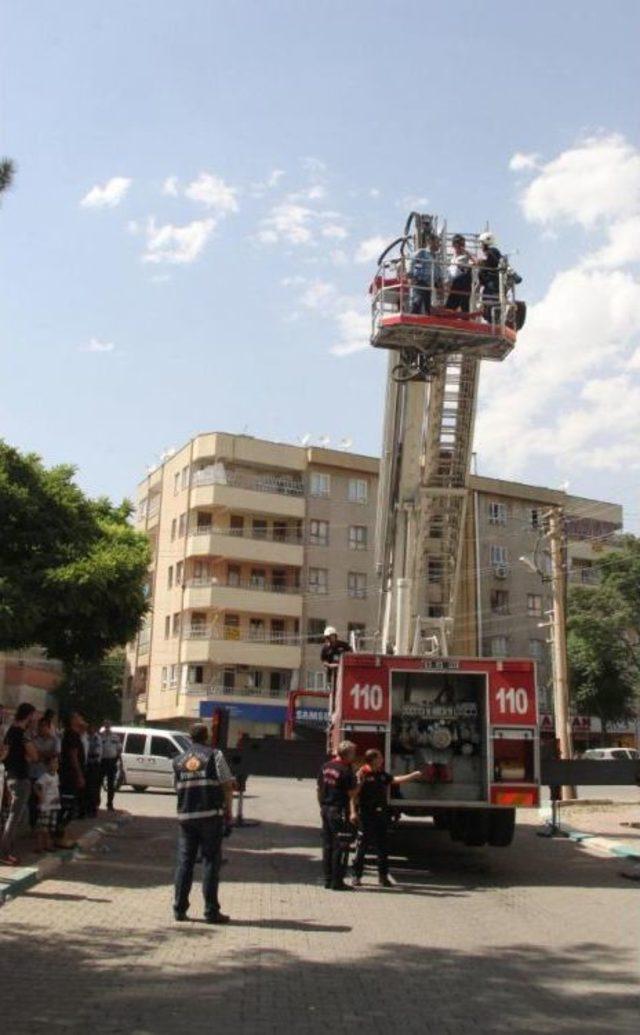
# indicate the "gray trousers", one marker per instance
pixel 19 791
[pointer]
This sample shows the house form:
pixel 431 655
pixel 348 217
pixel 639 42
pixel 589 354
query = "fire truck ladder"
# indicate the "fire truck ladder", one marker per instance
pixel 422 504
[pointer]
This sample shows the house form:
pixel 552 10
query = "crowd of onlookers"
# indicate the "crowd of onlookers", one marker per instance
pixel 52 775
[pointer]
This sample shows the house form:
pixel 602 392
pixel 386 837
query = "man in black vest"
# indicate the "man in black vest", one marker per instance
pixel 204 788
pixel 337 790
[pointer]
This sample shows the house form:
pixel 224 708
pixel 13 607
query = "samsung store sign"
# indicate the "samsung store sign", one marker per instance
pixel 246 712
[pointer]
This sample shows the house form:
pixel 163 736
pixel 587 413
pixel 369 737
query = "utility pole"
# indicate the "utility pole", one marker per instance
pixel 556 536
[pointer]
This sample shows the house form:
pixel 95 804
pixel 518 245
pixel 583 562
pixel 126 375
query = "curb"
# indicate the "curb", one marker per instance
pixel 25 877
pixel 602 845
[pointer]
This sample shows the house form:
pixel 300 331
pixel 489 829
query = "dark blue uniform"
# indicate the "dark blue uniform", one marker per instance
pixel 200 774
pixel 335 782
pixel 374 818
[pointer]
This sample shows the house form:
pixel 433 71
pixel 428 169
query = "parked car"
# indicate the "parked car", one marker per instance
pixel 147 755
pixel 610 754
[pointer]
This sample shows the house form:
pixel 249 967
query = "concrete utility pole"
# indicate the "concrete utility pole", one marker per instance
pixel 563 730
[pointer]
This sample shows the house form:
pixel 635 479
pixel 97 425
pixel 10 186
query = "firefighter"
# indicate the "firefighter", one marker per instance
pixel 489 263
pixel 337 791
pixel 204 788
pixel 423 274
pixel 373 813
pixel 332 651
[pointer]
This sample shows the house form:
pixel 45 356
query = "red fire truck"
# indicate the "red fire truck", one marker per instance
pixel 470 725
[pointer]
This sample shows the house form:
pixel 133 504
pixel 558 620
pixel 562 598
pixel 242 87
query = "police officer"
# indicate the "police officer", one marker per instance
pixel 204 788
pixel 337 790
pixel 373 808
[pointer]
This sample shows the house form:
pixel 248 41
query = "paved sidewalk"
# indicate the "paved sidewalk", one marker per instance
pixel 611 828
pixel 533 940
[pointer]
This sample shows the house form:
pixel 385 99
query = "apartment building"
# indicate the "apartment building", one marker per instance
pixel 256 546
pixel 508 604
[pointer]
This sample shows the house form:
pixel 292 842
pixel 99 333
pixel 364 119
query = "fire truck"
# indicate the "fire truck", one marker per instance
pixel 418 693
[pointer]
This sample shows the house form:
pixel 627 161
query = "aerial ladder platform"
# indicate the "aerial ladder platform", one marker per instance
pixel 435 350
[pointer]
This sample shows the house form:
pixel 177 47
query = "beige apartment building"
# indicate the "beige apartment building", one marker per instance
pixel 258 545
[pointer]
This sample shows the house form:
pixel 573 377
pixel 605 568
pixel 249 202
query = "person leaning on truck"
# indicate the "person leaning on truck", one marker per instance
pixel 332 651
pixel 337 790
pixel 373 813
pixel 204 789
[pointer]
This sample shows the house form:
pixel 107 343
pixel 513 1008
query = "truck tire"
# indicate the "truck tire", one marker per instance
pixel 139 789
pixel 502 825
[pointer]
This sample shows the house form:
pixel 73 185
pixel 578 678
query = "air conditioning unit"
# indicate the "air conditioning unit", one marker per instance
pixel 501 571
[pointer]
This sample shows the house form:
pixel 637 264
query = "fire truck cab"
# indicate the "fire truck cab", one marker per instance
pixel 469 724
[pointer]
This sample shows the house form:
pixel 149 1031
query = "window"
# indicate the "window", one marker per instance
pixel 176 483
pixel 163 681
pixel 182 525
pixel 358 490
pixel 236 524
pixel 167 627
pixel 318 580
pixel 316 680
pixel 170 576
pixel 179 572
pixel 258 578
pixel 358 629
pixel 229 678
pixel 357 537
pixel 315 629
pixel 254 679
pixel 499 601
pixel 320 484
pixel 537 649
pixel 198 623
pixel 277 681
pixel 534 604
pixel 162 747
pixel 233 575
pixel 279 531
pixel 256 629
pixel 319 533
pixel 497 513
pixel 173 675
pixel 196 674
pixel 434 569
pixel 435 611
pixel 357 584
pixel 204 521
pixel 134 743
pixel 498 556
pixel 498 646
pixel 535 517
pixel 278 580
pixel 176 624
pixel 232 627
pixel 173 529
pixel 260 528
pixel 142 508
pixel 277 630
pixel 185 477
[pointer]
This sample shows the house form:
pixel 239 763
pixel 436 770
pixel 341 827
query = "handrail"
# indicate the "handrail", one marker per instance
pixel 214 690
pixel 251 584
pixel 206 632
pixel 290 537
pixel 280 484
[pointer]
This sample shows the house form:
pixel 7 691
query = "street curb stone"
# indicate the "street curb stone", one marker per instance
pixel 25 877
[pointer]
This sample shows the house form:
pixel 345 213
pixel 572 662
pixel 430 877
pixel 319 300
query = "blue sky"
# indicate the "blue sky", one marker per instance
pixel 199 187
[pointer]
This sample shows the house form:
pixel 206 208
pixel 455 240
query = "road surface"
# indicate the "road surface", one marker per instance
pixel 541 937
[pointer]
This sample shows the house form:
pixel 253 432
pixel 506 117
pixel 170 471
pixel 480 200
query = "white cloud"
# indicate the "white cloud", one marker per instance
pixel 213 192
pixel 170 186
pixel 334 231
pixel 521 161
pixel 107 196
pixel 623 246
pixel 598 179
pixel 369 249
pixel 287 222
pixel 374 192
pixel 318 294
pixel 177 244
pixel 274 177
pixel 96 345
pixel 354 329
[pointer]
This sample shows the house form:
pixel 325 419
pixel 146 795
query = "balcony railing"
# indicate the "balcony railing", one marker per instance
pixel 281 484
pixel 242 635
pixel 289 536
pixel 215 690
pixel 584 576
pixel 260 585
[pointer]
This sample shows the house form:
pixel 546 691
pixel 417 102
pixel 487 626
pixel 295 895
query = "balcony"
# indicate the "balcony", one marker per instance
pixel 245 595
pixel 215 690
pixel 202 644
pixel 584 576
pixel 269 493
pixel 222 542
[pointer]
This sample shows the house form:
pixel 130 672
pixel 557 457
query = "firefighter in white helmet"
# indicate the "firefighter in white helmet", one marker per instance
pixel 332 650
pixel 489 264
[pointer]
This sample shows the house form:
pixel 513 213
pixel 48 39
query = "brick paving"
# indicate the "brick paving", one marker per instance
pixel 538 938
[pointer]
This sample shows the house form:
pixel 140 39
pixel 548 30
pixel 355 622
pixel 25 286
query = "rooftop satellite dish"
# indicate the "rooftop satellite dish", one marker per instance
pixel 305 440
pixel 345 443
pixel 324 441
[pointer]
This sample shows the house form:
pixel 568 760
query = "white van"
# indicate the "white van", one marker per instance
pixel 147 755
pixel 610 754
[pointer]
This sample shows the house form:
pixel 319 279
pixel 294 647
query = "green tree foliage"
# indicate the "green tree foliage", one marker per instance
pixel 7 174
pixel 93 689
pixel 72 570
pixel 603 637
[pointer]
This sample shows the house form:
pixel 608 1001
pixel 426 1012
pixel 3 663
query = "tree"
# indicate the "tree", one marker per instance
pixel 73 571
pixel 7 174
pixel 620 571
pixel 93 689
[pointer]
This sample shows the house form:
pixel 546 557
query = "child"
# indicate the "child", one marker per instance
pixel 47 791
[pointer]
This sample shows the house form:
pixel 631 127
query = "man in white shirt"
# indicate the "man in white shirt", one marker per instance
pixel 111 752
pixel 460 275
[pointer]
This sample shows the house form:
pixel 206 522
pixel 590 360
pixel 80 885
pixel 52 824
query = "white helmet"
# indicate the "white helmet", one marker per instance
pixel 487 238
pixel 330 631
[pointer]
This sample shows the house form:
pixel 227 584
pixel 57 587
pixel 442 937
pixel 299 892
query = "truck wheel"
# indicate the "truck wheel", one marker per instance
pixel 502 825
pixel 476 828
pixel 441 820
pixel 457 824
pixel 138 789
